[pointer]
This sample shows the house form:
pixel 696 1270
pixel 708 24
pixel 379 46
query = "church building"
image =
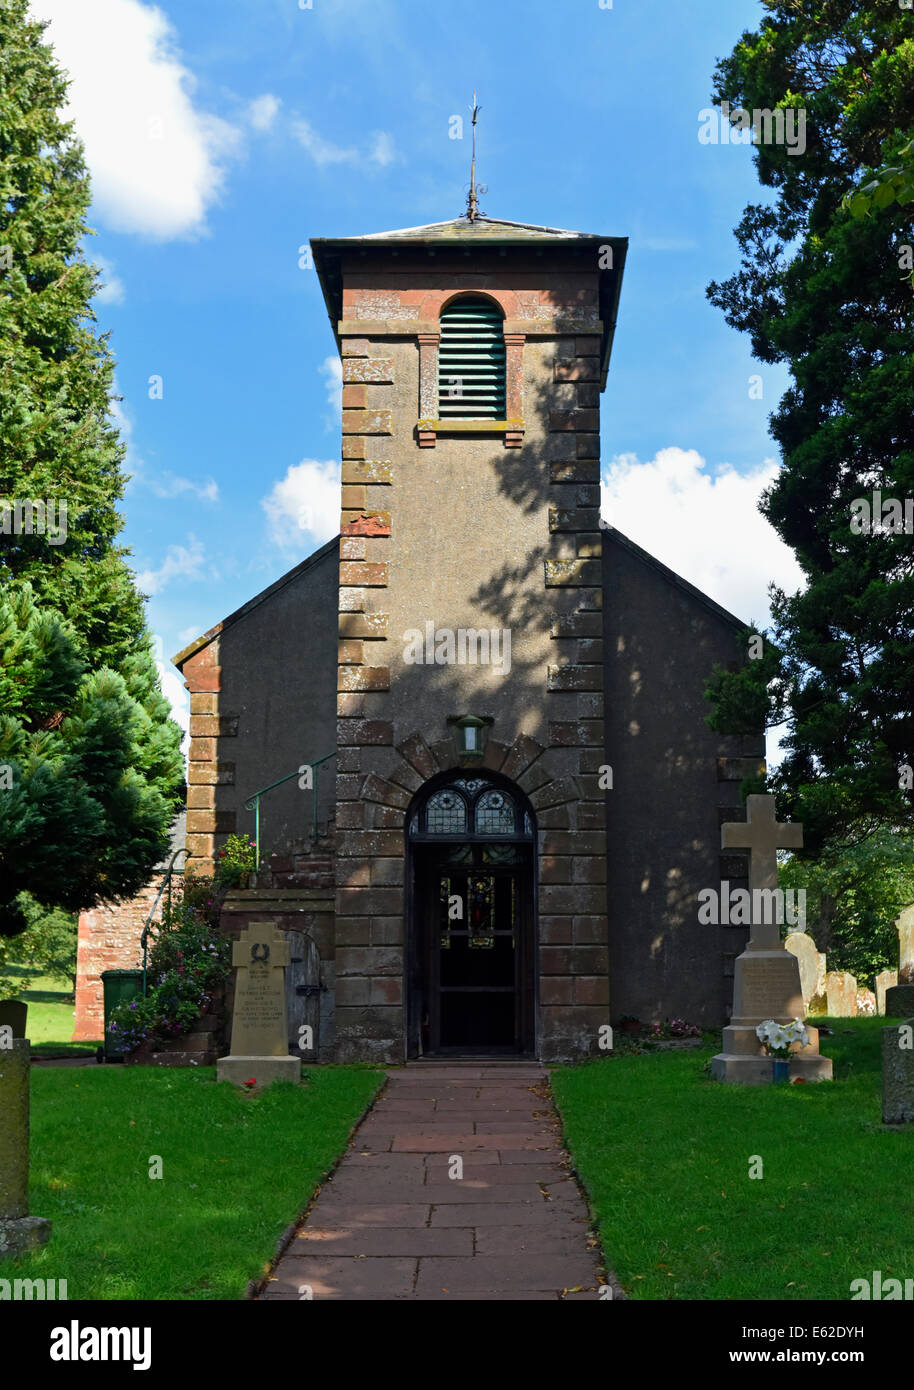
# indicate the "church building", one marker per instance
pixel 470 731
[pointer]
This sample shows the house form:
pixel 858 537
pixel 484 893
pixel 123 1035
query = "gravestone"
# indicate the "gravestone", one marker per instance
pixel 885 980
pixel 766 977
pixel 18 1230
pixel 899 1001
pixel 260 1034
pixel 841 993
pixel 898 1074
pixel 811 962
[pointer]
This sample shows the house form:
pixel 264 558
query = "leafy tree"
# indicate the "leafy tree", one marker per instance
pixel 48 944
pixel 90 767
pixel 853 895
pixel 820 290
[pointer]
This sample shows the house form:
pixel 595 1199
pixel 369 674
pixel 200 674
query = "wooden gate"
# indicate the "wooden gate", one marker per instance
pixel 303 991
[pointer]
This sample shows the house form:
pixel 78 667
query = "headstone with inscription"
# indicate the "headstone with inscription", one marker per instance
pixel 260 1038
pixel 899 1001
pixel 885 980
pixel 841 993
pixel 766 981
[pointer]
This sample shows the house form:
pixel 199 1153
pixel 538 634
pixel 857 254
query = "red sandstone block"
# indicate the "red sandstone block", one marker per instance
pixel 354 396
pixel 367 677
pixel 386 991
pixel 580 420
pixel 591 989
pixel 581 733
pixel 557 989
pixel 362 732
pixel 387 793
pixel 354 572
pixel 354 347
pixel 555 870
pixel 581 369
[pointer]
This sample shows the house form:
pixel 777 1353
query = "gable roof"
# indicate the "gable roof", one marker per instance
pixel 199 642
pixel 610 533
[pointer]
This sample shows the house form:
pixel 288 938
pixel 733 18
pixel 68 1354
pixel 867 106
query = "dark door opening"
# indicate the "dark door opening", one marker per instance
pixel 473 938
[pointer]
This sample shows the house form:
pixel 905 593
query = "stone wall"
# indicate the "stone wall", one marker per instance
pixel 674 783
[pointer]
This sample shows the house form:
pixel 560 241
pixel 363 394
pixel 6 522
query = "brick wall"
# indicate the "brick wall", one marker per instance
pixel 109 939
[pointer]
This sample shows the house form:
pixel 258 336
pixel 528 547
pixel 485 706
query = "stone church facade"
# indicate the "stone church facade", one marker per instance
pixel 518 798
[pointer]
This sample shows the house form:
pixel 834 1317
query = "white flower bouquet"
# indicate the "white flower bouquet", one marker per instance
pixel 777 1038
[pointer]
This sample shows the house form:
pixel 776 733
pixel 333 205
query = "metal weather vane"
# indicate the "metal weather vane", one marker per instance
pixel 473 208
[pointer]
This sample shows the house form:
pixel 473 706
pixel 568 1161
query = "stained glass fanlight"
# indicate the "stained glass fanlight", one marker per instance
pixel 494 814
pixel 446 813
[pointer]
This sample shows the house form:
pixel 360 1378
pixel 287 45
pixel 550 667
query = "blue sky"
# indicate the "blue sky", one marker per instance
pixel 222 136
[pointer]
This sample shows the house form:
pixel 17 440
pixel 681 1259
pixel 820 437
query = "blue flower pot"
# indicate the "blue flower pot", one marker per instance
pixel 780 1069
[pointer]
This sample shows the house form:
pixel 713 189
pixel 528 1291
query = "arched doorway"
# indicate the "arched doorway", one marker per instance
pixel 470 956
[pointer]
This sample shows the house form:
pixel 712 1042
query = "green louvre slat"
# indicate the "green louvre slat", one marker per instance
pixel 471 355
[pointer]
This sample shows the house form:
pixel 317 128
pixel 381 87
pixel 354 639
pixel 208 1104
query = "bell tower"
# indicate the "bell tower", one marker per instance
pixel 471 828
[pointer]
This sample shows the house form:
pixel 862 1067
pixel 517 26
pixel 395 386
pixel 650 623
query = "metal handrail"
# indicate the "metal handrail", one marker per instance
pixel 253 802
pixel 166 882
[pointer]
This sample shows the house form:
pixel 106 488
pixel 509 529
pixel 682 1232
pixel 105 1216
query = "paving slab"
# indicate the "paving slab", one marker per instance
pixel 391 1223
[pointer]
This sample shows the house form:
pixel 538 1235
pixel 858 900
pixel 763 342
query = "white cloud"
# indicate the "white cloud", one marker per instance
pixel 382 149
pixel 111 289
pixel 262 111
pixel 305 502
pixel 187 634
pixel 181 562
pixel 156 160
pixel 331 369
pixel 323 152
pixel 705 527
pixel 170 485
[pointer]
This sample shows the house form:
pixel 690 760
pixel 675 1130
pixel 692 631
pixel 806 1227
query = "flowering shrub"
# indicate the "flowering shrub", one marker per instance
pixel 188 963
pixel 673 1028
pixel 778 1037
pixel 236 861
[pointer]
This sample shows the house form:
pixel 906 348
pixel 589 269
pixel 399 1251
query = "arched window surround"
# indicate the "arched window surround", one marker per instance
pixel 430 424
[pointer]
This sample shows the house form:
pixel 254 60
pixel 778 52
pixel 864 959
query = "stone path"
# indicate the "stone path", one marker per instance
pixel 393 1223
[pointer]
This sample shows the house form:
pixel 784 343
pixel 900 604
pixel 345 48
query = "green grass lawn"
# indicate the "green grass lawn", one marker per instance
pixel 664 1153
pixel 51 1015
pixel 236 1170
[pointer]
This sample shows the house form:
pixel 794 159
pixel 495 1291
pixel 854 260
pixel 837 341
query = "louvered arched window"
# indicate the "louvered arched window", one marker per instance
pixel 471 361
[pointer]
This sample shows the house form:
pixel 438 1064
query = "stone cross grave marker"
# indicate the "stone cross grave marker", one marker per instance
pixel 260 1039
pixel 766 977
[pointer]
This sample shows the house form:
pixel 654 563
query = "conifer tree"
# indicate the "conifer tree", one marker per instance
pixel 90 764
